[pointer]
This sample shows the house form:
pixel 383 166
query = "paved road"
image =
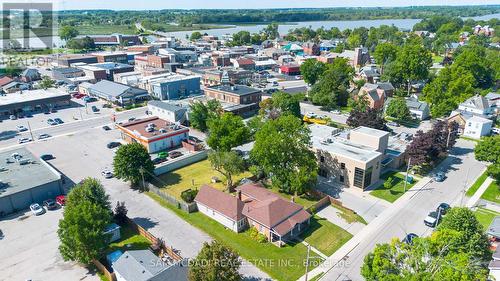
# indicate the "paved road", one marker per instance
pixel 460 167
pixel 307 107
pixel 84 154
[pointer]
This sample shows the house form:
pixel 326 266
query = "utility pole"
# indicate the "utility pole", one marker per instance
pixel 31 132
pixel 307 260
pixel 141 170
pixel 465 187
pixel 406 176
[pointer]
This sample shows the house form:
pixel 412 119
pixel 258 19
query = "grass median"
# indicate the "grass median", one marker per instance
pixel 477 184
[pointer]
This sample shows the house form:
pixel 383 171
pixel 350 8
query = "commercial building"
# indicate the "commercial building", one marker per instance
pixel 350 158
pixel 105 70
pixel 147 61
pixel 114 39
pixel 167 111
pixel 63 73
pixel 69 60
pixel 33 101
pixel 245 99
pixel 117 57
pixel 213 77
pixel 154 133
pixel 114 92
pixel 290 69
pixel 176 87
pixel 25 179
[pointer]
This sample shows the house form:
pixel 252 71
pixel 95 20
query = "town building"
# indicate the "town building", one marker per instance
pixel 176 87
pixel 26 179
pixel 114 39
pixel 350 158
pixel 418 109
pixel 311 49
pixel 30 75
pixel 114 92
pixel 33 101
pixel 70 59
pixel 116 57
pixel 471 125
pixel 374 94
pixel 105 70
pixel 213 77
pixel 63 73
pixel 147 61
pixel 144 265
pixel 245 99
pixel 168 111
pixel 477 105
pixel 290 69
pixel 243 63
pixel 154 133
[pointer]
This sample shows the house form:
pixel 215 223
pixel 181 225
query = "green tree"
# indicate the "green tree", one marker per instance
pixel 132 162
pixel 398 109
pixel 228 163
pixel 195 36
pixel 331 89
pixel 85 43
pixel 46 83
pixel 67 32
pixel 86 215
pixel 385 53
pixel 201 113
pixel 280 103
pixel 312 70
pixel 271 31
pixel 488 149
pixel 241 38
pixel 226 131
pixel 215 262
pixel 282 151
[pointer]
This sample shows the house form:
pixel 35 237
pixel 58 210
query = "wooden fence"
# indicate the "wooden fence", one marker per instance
pixel 104 270
pixel 324 201
pixel 187 207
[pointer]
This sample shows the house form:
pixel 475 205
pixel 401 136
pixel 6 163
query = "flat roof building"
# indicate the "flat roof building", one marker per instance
pixel 32 101
pixel 26 179
pixel 244 98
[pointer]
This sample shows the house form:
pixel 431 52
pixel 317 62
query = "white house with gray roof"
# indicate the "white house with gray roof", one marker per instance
pixel 476 105
pixel 168 111
pixel 143 265
pixel 116 92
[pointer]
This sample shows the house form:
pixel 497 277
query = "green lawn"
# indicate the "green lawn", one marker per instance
pixel 305 200
pixel 105 29
pixel 315 278
pixel 476 184
pixel 349 215
pixel 285 263
pixel 200 173
pixel 412 123
pixel 130 240
pixel 325 236
pixel 396 190
pixel 492 193
pixel 485 216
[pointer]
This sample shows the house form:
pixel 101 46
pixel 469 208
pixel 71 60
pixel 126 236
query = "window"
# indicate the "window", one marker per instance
pixel 376 167
pixel 341 178
pixel 368 177
pixel 342 166
pixel 322 159
pixel 323 173
pixel 358 177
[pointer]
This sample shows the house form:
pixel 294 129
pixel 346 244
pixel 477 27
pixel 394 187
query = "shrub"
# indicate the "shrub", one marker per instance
pixel 120 214
pixel 257 236
pixel 188 195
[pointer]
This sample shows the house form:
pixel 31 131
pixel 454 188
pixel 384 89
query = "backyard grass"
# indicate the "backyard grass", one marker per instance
pixel 305 200
pixel 492 193
pixel 105 29
pixel 192 176
pixel 348 215
pixel 285 263
pixel 130 240
pixel 473 188
pixel 397 188
pixel 485 216
pixel 325 236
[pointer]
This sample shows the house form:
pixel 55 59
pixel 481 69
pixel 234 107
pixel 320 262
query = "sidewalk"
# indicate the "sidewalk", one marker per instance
pixel 479 192
pixel 368 231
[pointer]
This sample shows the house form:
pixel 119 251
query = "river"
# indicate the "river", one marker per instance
pixel 284 28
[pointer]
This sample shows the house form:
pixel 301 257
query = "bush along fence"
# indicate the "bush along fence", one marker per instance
pixel 187 207
pixel 163 249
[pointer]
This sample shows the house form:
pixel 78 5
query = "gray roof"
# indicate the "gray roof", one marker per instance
pixel 414 104
pixel 494 228
pixel 386 86
pixel 167 106
pixel 30 72
pixel 477 101
pixel 15 177
pixel 66 70
pixel 240 90
pixel 113 89
pixel 492 96
pixel 143 265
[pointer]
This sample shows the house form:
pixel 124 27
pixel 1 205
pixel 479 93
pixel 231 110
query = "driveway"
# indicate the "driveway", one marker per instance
pixel 85 154
pixel 332 215
pixel 29 250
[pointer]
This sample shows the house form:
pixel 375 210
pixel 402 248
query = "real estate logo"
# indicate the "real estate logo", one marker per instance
pixel 27 26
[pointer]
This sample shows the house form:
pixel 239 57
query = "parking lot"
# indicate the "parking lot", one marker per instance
pixel 29 250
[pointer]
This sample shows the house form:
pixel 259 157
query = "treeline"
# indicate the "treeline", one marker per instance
pixel 189 17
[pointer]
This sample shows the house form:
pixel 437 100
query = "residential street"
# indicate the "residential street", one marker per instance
pixel 407 214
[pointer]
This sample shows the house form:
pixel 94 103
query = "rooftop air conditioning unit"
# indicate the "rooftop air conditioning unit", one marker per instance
pixel 162 130
pixel 149 129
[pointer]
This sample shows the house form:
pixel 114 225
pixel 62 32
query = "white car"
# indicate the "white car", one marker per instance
pixel 107 174
pixel 36 209
pixel 43 136
pixel 21 128
pixel 311 115
pixel 23 140
pixel 335 111
pixel 432 219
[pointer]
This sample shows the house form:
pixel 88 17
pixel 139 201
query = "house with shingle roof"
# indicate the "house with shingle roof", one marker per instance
pixel 278 219
pixel 476 105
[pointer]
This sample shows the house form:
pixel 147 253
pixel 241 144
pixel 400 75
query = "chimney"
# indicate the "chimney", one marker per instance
pixel 238 194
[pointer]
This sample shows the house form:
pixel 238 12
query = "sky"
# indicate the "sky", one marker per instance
pixel 246 4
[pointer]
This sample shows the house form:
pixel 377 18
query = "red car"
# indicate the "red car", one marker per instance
pixel 61 200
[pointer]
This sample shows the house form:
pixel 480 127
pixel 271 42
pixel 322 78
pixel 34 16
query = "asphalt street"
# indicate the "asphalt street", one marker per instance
pixel 460 168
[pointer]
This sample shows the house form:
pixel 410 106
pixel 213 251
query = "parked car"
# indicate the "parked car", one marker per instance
pixel 106 128
pixel 46 157
pixel 21 128
pixel 89 99
pixel 51 122
pixel 113 144
pixel 443 208
pixel 311 115
pixel 175 154
pixel 36 209
pixel 335 111
pixel 432 219
pixel 23 140
pixel 298 77
pixel 58 120
pixel 94 108
pixel 162 155
pixel 12 117
pixel 43 136
pixel 439 177
pixel 61 200
pixel 159 160
pixel 50 204
pixel 107 174
pixel 394 124
pixel 131 119
pixel 409 238
pixel 495 131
